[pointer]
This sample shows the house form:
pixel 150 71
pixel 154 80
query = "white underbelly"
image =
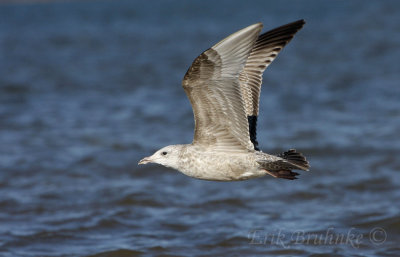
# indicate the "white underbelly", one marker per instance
pixel 223 167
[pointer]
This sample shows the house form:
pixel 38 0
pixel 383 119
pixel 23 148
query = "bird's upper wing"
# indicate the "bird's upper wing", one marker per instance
pixel 213 88
pixel 265 50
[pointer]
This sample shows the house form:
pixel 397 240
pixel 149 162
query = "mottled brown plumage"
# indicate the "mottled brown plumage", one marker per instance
pixel 223 85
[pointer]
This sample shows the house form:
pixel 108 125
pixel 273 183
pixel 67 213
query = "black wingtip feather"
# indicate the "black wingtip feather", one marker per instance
pixel 283 33
pixel 253 131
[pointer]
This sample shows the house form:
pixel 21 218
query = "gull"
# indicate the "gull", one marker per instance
pixel 223 85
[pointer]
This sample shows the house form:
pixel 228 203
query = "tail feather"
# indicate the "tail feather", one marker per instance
pixel 286 174
pixel 296 159
pixel 283 166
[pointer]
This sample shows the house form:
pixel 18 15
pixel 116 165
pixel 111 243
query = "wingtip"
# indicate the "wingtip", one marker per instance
pixel 251 32
pixel 297 24
pixel 260 24
pixel 301 22
pixel 257 25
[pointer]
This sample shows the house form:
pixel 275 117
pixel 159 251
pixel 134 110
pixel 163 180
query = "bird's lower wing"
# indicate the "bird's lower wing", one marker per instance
pixel 212 86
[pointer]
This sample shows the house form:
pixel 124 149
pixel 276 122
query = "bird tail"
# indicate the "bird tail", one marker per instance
pixel 282 168
pixel 296 159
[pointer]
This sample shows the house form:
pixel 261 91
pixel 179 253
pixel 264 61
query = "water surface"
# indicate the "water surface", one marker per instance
pixel 89 88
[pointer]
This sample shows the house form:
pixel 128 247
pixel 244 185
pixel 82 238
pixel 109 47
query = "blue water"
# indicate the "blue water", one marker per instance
pixel 87 88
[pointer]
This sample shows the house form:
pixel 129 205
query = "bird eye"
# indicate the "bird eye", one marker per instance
pixel 164 153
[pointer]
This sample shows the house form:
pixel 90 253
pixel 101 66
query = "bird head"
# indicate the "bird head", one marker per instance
pixel 168 156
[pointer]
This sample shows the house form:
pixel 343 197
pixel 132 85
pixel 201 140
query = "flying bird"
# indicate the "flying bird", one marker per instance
pixel 223 85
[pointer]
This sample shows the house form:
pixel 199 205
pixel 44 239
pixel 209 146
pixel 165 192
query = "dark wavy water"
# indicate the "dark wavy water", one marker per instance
pixel 89 88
